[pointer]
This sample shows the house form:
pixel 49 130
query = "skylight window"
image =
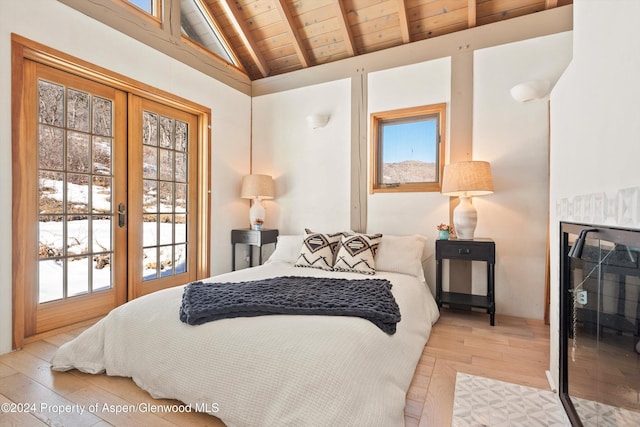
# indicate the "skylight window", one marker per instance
pixel 199 26
pixel 146 5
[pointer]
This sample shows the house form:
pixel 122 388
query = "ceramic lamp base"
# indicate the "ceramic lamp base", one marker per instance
pixel 256 215
pixel 465 218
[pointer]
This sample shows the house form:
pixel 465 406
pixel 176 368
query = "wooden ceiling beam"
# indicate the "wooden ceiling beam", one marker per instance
pixel 548 4
pixel 404 22
pixel 472 13
pixel 293 32
pixel 345 28
pixel 245 34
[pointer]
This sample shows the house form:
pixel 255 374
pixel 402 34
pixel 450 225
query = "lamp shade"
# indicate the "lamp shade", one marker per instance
pixel 472 178
pixel 257 187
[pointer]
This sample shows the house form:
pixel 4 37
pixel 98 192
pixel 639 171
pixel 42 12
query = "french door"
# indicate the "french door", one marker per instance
pixel 75 165
pixel 162 196
pixel 105 198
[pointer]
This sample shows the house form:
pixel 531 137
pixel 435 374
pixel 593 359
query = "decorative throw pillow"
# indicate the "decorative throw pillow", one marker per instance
pixel 318 250
pixel 357 253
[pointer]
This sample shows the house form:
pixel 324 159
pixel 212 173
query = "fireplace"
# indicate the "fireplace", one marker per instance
pixel 600 324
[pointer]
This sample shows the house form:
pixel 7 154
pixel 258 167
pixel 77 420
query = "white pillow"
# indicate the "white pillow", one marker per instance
pixel 401 254
pixel 287 249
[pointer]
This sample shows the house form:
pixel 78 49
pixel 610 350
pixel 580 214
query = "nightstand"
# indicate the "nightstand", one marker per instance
pixel 252 238
pixel 468 250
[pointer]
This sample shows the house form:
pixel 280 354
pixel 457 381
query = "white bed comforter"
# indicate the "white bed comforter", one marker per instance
pixel 264 371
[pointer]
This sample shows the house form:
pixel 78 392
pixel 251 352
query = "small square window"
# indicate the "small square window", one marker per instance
pixel 407 149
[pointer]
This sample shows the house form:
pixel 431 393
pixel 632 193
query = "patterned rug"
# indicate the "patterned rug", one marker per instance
pixel 485 402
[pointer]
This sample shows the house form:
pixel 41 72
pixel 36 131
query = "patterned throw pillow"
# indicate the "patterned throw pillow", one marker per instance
pixel 357 253
pixel 318 250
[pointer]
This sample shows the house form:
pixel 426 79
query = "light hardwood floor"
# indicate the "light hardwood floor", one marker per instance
pixel 515 350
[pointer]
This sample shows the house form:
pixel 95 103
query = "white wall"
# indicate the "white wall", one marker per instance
pixel 513 137
pixel 595 130
pixel 311 167
pixel 410 213
pixel 60 27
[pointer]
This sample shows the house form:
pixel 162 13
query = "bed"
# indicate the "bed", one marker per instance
pixel 271 370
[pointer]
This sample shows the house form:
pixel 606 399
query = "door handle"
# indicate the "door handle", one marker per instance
pixel 122 212
pixel 464 251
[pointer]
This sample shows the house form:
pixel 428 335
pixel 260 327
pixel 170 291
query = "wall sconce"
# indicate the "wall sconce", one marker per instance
pixel 531 90
pixel 316 121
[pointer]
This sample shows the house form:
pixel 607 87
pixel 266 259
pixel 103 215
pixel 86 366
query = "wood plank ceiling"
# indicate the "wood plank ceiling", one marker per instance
pixel 273 37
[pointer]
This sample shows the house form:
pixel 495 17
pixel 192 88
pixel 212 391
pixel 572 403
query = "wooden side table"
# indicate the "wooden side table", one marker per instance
pixel 252 238
pixel 469 250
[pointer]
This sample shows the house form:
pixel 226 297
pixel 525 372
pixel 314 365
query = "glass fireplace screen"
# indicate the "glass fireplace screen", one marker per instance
pixel 600 325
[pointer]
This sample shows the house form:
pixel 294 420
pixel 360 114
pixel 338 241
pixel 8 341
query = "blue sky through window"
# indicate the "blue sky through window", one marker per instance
pixel 143 4
pixel 409 141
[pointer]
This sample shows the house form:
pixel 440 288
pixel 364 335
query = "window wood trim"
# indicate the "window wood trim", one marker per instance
pixel 22 49
pixel 376 118
pixel 165 38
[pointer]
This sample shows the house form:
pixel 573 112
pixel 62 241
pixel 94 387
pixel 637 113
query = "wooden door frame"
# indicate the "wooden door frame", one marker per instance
pixel 23 49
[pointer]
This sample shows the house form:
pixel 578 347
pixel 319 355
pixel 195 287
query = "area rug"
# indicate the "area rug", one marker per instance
pixel 482 401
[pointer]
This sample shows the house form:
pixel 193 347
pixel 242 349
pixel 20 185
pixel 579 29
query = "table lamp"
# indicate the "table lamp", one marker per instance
pixel 257 188
pixel 466 179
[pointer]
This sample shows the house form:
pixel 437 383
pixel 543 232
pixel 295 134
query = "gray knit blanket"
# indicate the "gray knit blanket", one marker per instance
pixel 370 299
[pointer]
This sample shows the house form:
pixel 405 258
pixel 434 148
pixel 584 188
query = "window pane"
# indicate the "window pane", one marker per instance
pixel 149 128
pixel 102 116
pixel 149 162
pixel 51 105
pixel 181 228
pixel 78 276
pixel 181 197
pixel 166 230
pixel 51 280
pixel 149 230
pixel 182 135
pixel 150 196
pixel 167 258
pixel 146 5
pixel 166 132
pixel 101 196
pixel 181 167
pixel 50 148
pixel 77 193
pixel 51 229
pixel 197 25
pixel 166 165
pixel 150 264
pixel 101 273
pixel 78 110
pixel 102 157
pixel 166 197
pixel 77 152
pixel 50 186
pixel 409 152
pixel 101 229
pixel 180 259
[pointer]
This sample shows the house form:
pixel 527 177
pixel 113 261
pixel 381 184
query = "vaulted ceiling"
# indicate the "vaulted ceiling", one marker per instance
pixel 271 37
